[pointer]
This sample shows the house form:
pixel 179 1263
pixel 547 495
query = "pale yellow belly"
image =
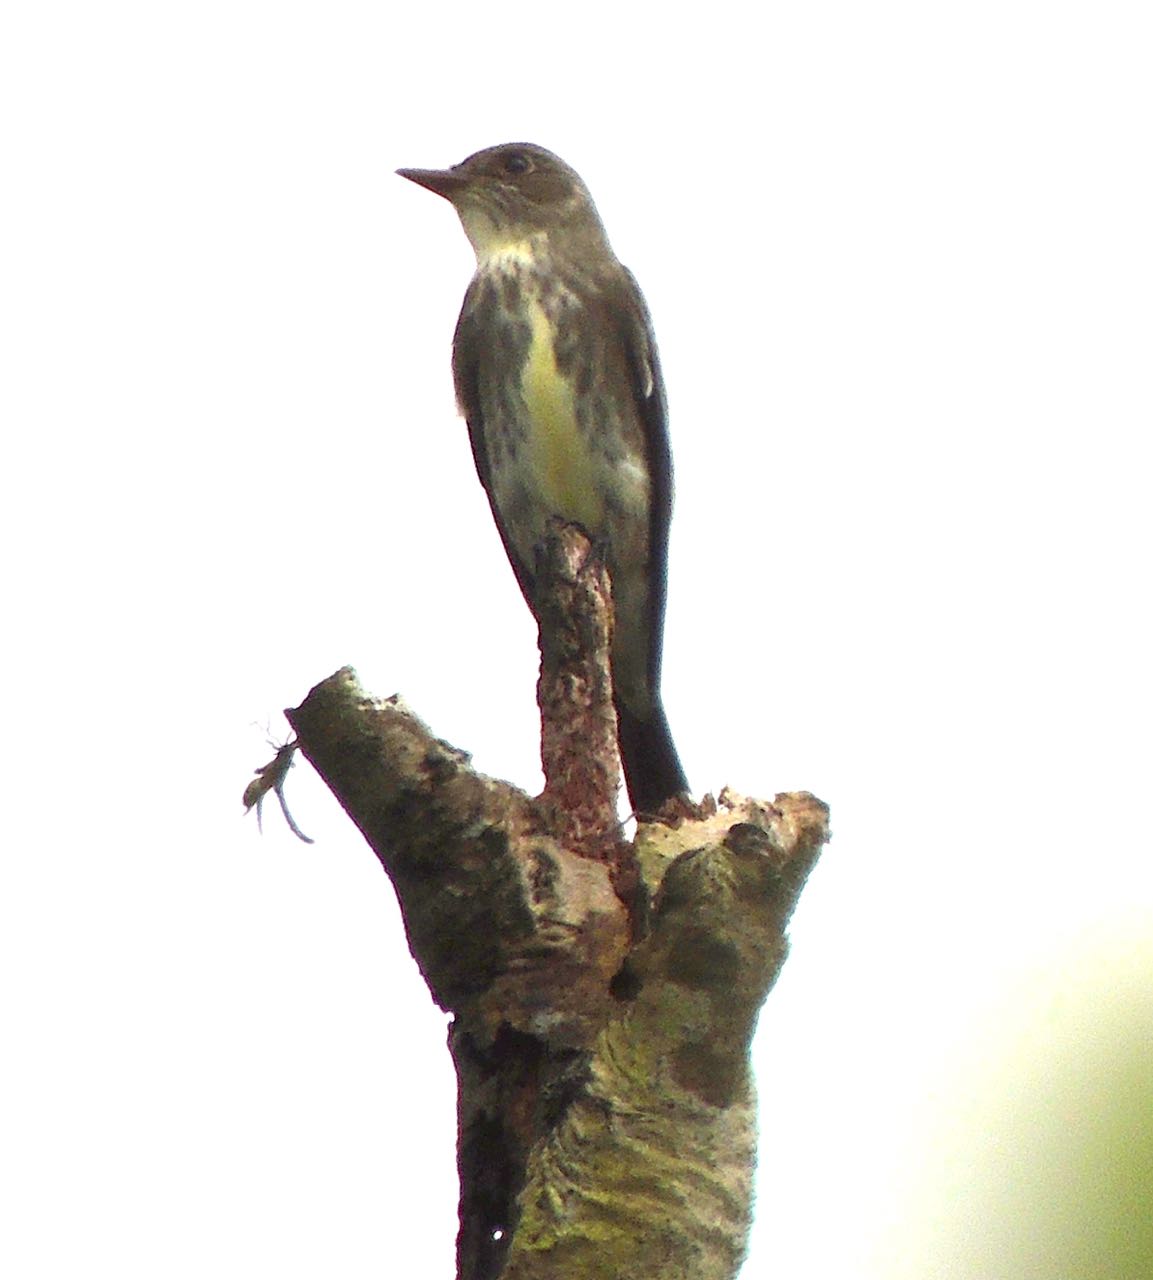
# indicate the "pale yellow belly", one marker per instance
pixel 554 460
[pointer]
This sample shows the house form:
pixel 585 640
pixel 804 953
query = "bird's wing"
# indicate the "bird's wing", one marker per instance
pixel 649 394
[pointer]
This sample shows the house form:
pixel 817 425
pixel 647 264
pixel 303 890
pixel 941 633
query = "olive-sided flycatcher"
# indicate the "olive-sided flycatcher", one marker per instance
pixel 556 373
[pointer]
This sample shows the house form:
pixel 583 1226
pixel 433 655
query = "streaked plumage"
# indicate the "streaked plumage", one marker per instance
pixel 557 375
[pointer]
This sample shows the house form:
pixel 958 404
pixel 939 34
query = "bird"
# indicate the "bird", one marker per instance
pixel 556 373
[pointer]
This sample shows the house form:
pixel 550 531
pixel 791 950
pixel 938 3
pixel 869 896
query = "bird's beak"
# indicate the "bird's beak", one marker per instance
pixel 445 182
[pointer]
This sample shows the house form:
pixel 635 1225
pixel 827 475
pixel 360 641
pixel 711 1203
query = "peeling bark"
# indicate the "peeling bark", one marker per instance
pixel 604 992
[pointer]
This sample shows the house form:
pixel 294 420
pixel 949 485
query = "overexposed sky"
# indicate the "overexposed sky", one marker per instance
pixel 898 258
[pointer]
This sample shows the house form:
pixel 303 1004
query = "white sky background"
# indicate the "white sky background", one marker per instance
pixel 898 257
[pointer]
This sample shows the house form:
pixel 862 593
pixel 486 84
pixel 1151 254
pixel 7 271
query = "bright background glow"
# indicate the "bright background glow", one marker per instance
pixel 898 257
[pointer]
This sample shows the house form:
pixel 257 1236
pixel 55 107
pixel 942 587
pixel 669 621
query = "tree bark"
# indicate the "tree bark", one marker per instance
pixel 604 991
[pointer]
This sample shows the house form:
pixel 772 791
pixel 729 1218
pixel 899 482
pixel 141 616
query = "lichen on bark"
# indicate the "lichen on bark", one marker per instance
pixel 604 991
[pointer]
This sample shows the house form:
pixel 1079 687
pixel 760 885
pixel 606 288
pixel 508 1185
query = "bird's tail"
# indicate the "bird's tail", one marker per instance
pixel 653 772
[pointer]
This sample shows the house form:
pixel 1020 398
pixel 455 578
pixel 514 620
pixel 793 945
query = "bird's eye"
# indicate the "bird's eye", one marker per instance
pixel 518 162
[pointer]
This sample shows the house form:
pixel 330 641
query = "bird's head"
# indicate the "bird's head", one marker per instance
pixel 512 197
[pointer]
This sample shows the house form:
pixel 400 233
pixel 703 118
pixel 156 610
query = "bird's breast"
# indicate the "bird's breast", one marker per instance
pixel 554 457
